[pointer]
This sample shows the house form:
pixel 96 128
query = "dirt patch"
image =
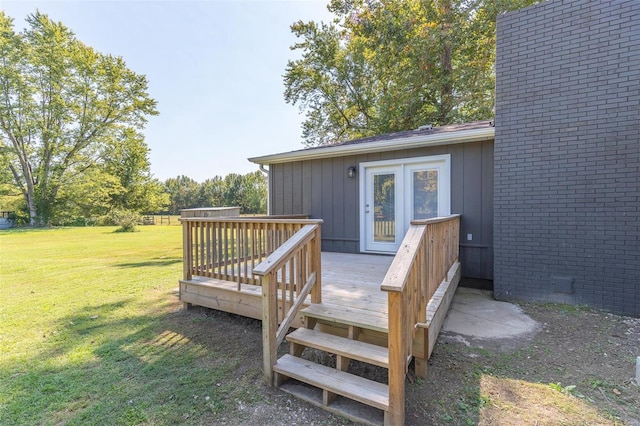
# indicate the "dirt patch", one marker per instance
pixel 578 368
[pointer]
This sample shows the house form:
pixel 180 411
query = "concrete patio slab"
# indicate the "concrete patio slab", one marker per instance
pixel 474 314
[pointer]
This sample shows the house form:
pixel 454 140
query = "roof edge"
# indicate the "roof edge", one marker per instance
pixel 418 141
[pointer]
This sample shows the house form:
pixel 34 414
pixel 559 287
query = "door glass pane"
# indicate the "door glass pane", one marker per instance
pixel 425 194
pixel 384 219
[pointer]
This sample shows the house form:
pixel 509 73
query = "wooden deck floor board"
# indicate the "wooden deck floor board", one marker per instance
pixel 350 281
pixel 353 280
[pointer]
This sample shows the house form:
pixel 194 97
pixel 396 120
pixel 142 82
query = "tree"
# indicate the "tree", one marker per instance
pixel 232 194
pixel 254 193
pixel 211 192
pixel 126 157
pixel 86 197
pixel 61 104
pixel 183 193
pixel 249 192
pixel 385 66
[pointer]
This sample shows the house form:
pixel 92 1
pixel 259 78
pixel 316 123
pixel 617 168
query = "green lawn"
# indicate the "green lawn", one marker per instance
pixel 91 332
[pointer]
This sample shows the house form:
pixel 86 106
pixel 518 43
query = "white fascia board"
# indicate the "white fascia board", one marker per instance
pixel 463 136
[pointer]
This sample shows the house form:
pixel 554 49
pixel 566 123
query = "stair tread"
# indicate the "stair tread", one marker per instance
pixel 350 316
pixel 354 349
pixel 353 410
pixel 345 384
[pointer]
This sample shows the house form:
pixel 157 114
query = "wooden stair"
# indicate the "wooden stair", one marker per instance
pixel 349 316
pixel 353 349
pixel 334 389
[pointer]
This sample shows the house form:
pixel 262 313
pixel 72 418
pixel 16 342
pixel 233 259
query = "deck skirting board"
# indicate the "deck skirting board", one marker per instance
pixel 247 303
pixel 439 305
pixel 224 296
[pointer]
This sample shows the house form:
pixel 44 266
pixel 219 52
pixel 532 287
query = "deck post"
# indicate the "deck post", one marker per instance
pixel 421 351
pixel 186 250
pixel 316 292
pixel 397 357
pixel 269 324
pixel 187 260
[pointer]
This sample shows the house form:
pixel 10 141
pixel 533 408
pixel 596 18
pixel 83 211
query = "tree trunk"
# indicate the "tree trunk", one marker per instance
pixel 446 64
pixel 29 192
pixel 33 213
pixel 32 205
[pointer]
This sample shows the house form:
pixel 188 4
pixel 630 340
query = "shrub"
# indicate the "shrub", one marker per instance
pixel 125 219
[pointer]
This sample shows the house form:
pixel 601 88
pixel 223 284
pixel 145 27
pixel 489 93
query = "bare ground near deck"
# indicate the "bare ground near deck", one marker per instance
pixel 486 382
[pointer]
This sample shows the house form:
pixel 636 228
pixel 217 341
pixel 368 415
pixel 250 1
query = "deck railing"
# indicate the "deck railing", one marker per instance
pixel 289 275
pixel 426 254
pixel 229 248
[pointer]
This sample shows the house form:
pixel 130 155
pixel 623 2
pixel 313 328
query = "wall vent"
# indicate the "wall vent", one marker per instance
pixel 562 284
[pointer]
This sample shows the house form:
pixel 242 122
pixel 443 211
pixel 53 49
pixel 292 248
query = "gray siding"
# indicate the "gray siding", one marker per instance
pixel 322 190
pixel 567 154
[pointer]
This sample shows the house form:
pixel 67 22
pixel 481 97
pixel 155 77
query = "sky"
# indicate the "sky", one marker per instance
pixel 215 67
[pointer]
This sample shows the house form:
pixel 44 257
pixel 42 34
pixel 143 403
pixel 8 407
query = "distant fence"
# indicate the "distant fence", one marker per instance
pixel 160 219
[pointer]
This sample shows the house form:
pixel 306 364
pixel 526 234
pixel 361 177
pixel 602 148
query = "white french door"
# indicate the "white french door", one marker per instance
pixel 382 205
pixel 393 193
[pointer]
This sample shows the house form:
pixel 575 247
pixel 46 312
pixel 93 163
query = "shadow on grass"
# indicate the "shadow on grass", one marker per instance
pixel 104 366
pixel 133 363
pixel 154 262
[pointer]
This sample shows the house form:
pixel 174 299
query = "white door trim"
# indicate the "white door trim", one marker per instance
pixel 404 190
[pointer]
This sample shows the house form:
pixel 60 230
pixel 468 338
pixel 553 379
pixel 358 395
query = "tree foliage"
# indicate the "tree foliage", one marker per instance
pixel 383 66
pixel 249 192
pixel 126 156
pixel 183 193
pixel 68 115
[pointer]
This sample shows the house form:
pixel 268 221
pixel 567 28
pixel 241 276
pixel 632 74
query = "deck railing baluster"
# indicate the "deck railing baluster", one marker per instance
pixel 209 250
pixel 229 248
pixel 194 249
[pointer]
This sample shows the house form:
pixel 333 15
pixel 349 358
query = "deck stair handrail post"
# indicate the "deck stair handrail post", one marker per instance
pixel 289 275
pixel 428 250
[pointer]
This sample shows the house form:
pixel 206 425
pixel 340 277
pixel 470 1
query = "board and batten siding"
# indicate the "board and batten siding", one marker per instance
pixel 321 189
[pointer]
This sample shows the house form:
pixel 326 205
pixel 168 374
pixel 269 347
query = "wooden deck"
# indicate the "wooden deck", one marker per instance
pixel 349 281
pixel 380 310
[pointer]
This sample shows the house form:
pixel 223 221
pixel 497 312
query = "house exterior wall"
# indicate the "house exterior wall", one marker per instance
pixel 322 189
pixel 567 154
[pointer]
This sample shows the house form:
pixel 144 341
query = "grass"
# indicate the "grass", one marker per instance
pixel 91 331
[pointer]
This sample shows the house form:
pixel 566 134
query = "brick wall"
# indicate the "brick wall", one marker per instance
pixel 567 154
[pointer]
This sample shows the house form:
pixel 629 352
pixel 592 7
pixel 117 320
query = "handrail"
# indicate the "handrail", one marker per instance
pixel 251 219
pixel 434 220
pixel 281 216
pixel 289 274
pixel 282 253
pixel 428 250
